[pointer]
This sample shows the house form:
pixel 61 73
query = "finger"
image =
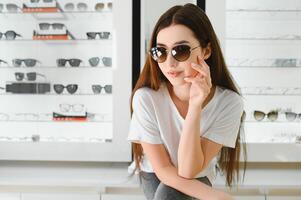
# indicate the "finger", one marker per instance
pixel 203 63
pixel 199 69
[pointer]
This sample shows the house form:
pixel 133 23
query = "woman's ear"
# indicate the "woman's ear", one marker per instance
pixel 207 52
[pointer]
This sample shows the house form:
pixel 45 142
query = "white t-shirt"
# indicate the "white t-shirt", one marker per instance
pixel 156 120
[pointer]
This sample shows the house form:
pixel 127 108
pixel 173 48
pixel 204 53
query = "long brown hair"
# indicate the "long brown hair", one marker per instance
pixel 151 76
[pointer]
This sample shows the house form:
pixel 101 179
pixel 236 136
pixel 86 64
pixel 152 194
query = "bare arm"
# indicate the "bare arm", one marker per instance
pixel 168 175
pixel 194 153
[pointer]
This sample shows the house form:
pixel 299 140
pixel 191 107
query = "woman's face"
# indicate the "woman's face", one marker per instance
pixel 173 36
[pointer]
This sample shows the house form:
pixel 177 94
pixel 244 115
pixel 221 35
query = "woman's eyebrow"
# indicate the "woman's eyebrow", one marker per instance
pixel 176 43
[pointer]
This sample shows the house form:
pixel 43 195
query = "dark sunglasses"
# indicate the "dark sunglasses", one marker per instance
pixel 31 76
pixel 28 62
pixel 102 35
pixel 97 89
pixel 10 35
pixel 107 61
pixel 291 116
pixel 180 53
pixel 46 26
pixel 74 62
pixel 3 61
pixel 71 88
pixel 10 7
pixel 259 115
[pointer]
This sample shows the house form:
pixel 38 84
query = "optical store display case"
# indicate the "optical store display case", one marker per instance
pixel 262 48
pixel 65 80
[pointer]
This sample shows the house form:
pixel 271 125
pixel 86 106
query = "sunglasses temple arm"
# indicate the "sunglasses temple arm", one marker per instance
pixel 2 88
pixel 59 6
pixel 71 35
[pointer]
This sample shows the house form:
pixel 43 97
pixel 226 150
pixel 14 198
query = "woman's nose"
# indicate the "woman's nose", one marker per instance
pixel 171 61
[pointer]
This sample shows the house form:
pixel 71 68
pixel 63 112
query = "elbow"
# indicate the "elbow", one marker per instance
pixel 189 173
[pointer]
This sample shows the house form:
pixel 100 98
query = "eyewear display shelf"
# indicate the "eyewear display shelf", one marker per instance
pixel 65 80
pixel 263 53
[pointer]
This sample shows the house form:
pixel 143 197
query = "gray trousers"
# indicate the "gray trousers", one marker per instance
pixel 155 190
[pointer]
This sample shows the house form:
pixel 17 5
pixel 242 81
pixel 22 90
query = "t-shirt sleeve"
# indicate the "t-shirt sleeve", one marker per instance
pixel 227 125
pixel 143 125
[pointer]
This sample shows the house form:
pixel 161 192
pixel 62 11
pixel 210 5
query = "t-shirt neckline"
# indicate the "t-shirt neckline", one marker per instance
pixel 175 109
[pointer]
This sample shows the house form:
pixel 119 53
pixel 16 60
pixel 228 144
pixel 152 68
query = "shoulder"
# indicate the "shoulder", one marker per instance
pixel 147 96
pixel 229 98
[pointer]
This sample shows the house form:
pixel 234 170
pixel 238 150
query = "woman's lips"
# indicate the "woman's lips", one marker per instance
pixel 174 74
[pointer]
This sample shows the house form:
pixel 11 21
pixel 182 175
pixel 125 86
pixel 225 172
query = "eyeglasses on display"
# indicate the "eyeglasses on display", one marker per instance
pixel 10 35
pixel 55 26
pixel 94 61
pixel 180 53
pixel 101 6
pixel 31 76
pixel 102 35
pixel 71 107
pixel 97 89
pixel 10 7
pixel 74 62
pixel 71 88
pixel 259 115
pixel 80 6
pixel 29 62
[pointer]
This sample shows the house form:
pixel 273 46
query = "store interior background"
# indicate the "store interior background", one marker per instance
pixel 261 44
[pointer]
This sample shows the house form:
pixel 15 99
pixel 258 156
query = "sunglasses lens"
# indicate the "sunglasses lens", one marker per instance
pixel 78 107
pixel 290 116
pixel 107 61
pixel 108 89
pixel 69 6
pixel 74 62
pixel 31 76
pixel 58 26
pixel 94 61
pixel 58 88
pixel 12 7
pixel 44 26
pixel 48 1
pixel 273 115
pixel 181 52
pixel 1 7
pixel 17 62
pixel 72 88
pixel 96 89
pixel 82 6
pixel 159 54
pixel 30 62
pixel 104 35
pixel 258 115
pixel 65 107
pixel 10 35
pixel 61 62
pixel 19 76
pixel 99 6
pixel 91 35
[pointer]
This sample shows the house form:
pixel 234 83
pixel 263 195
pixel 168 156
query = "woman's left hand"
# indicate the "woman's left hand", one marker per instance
pixel 200 83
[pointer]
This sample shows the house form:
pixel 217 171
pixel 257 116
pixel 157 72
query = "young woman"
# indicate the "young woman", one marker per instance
pixel 186 111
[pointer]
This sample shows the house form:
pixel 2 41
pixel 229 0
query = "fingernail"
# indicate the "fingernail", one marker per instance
pixel 193 64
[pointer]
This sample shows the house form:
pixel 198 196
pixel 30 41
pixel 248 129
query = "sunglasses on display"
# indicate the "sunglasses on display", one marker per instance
pixel 72 107
pixel 94 61
pixel 30 76
pixel 74 62
pixel 71 88
pixel 180 53
pixel 291 116
pixel 97 89
pixel 55 26
pixel 79 6
pixel 10 7
pixel 29 62
pixel 102 35
pixel 259 115
pixel 101 6
pixel 10 35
